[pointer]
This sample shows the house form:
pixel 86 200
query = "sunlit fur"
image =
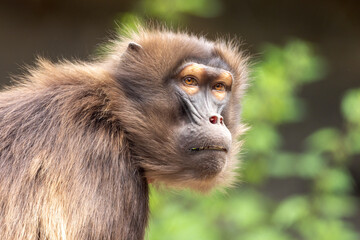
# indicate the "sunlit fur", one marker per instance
pixel 78 140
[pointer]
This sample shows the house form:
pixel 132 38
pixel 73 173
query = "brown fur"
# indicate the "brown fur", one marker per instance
pixel 77 141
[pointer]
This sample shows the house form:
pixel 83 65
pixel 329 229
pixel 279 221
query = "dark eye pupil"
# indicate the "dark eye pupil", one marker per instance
pixel 219 86
pixel 190 81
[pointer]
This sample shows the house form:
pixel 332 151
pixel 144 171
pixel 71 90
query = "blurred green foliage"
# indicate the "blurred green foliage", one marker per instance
pixel 174 12
pixel 174 9
pixel 248 212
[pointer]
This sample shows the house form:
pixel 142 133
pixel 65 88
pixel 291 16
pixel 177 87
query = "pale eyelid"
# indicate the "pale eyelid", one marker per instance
pixel 226 78
pixel 195 70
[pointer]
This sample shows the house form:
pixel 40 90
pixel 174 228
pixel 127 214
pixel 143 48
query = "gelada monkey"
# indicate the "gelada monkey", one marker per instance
pixel 80 141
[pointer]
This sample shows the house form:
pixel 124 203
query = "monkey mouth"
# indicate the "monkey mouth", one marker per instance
pixel 211 147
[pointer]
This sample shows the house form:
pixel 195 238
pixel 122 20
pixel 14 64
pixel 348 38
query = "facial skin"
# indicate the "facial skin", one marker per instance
pixel 182 114
pixel 203 136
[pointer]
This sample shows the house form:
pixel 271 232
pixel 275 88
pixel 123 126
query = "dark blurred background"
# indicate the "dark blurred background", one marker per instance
pixel 323 129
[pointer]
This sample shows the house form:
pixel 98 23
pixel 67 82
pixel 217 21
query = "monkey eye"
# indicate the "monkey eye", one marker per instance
pixel 190 81
pixel 219 87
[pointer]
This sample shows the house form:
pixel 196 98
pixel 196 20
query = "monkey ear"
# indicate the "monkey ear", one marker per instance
pixel 133 46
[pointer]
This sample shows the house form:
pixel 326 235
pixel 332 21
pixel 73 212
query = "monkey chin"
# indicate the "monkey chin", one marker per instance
pixel 202 158
pixel 207 163
pixel 202 171
pixel 209 174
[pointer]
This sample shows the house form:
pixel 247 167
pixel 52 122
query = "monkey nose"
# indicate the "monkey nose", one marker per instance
pixel 216 119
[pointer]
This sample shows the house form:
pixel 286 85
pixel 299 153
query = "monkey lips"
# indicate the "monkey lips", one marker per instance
pixel 205 147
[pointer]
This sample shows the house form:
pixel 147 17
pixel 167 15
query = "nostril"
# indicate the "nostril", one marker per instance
pixel 213 119
pixel 221 120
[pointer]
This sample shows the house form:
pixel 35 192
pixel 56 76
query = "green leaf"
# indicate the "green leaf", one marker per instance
pixel 335 206
pixel 291 210
pixel 335 181
pixel 262 138
pixel 282 164
pixel 353 140
pixel 310 165
pixel 327 139
pixel 255 171
pixel 265 233
pixel 173 10
pixel 246 210
pixel 350 106
pixel 322 229
pixel 178 215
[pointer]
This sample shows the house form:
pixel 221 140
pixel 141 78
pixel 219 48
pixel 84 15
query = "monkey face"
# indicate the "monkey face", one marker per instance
pixel 180 107
pixel 204 139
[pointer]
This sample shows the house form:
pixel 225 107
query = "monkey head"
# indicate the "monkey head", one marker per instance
pixel 180 106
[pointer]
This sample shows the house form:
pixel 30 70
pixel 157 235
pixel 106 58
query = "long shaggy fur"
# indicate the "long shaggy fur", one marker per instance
pixel 78 141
